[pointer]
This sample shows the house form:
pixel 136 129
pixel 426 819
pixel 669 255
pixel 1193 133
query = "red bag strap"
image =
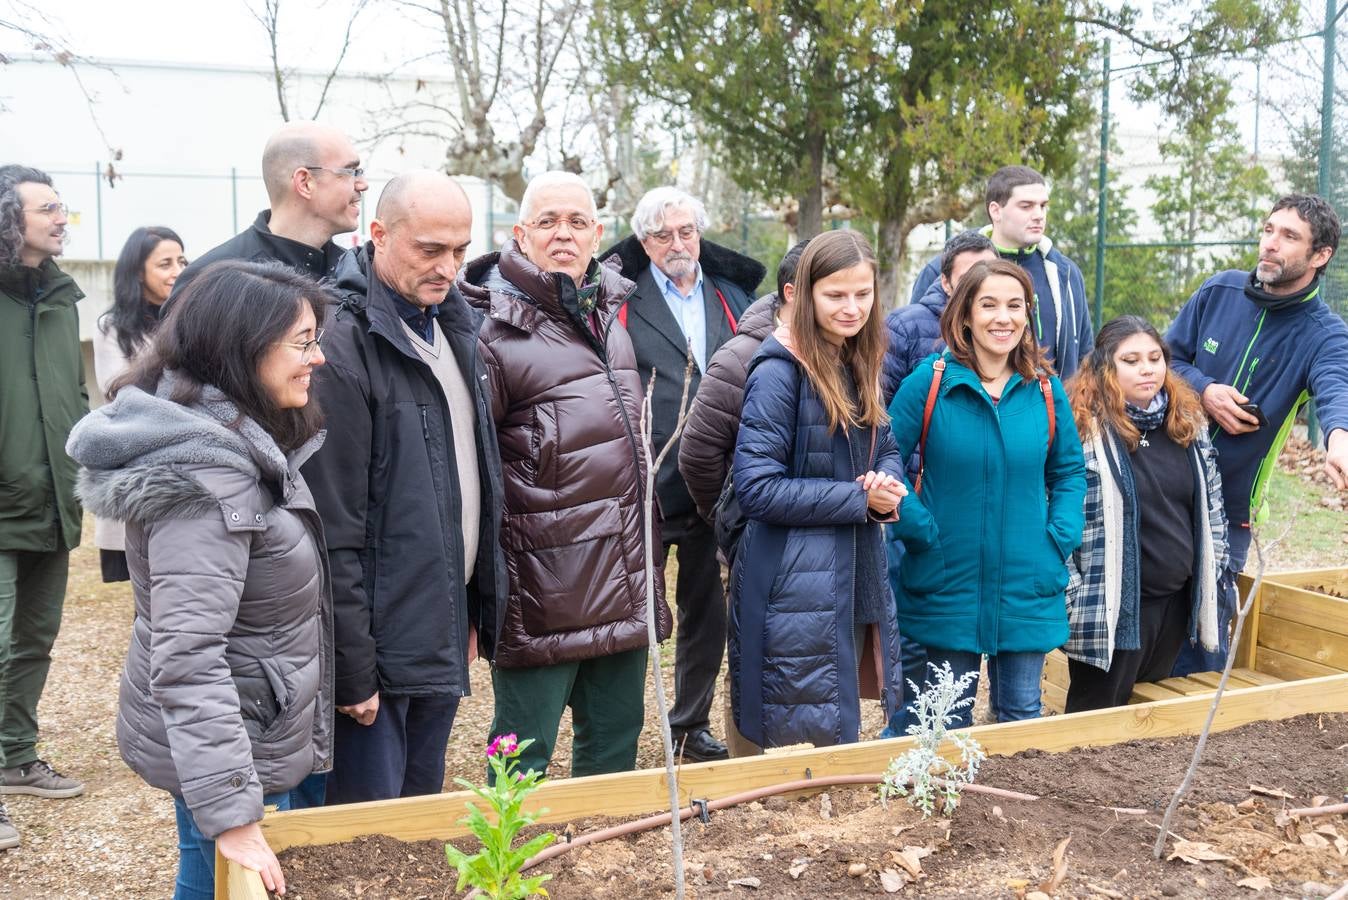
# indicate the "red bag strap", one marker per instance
pixel 1047 389
pixel 730 316
pixel 937 370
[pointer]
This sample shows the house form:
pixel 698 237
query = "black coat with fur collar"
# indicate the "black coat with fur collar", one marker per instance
pixel 661 349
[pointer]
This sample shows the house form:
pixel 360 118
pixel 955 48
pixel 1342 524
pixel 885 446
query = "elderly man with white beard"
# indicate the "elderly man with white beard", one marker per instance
pixel 690 295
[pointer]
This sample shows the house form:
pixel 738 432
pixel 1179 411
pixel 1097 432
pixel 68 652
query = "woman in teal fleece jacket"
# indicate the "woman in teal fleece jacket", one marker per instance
pixel 1000 508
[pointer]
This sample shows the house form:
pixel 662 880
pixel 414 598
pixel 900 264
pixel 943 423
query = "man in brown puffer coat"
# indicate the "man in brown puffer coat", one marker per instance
pixel 566 400
pixel 707 450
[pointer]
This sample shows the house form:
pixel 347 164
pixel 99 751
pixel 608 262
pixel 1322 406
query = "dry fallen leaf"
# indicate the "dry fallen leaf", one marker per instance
pixel 1255 883
pixel 1315 841
pixel 1328 831
pixel 1247 804
pixel 1270 792
pixel 1195 852
pixel 1059 867
pixel 750 882
pixel 1104 891
pixel 825 806
pixel 908 860
pixel 892 881
pixel 1319 800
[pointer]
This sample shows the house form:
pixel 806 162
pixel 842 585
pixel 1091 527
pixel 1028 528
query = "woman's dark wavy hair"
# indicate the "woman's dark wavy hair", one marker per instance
pixel 11 209
pixel 131 314
pixel 217 331
pixel 1097 399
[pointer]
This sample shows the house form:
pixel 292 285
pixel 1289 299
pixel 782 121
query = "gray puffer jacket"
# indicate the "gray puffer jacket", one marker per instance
pixel 227 691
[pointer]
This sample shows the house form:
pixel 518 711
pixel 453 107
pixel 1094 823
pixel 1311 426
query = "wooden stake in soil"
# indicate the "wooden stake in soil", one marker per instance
pixel 1242 610
pixel 648 505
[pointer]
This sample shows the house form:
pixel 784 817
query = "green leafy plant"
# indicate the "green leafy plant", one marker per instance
pixel 495 869
pixel 922 774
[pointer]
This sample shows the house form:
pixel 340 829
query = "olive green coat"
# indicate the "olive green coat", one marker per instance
pixel 42 395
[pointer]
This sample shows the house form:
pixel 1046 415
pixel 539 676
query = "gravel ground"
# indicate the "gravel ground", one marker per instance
pixel 118 838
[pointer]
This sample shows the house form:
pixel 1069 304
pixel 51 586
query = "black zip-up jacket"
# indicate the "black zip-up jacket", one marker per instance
pixel 385 486
pixel 256 243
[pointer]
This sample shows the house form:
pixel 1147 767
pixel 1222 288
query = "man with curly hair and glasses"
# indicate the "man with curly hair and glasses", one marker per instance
pixel 42 395
pixel 314 185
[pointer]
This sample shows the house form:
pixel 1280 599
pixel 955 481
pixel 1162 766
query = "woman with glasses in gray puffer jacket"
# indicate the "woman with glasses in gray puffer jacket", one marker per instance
pixel 226 698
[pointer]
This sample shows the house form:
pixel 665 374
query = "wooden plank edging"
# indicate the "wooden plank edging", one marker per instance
pixel 633 793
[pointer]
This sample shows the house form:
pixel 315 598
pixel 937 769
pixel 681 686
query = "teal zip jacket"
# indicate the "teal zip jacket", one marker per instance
pixel 1000 511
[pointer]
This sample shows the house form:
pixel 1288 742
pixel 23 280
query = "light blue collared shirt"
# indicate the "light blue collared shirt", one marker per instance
pixel 688 311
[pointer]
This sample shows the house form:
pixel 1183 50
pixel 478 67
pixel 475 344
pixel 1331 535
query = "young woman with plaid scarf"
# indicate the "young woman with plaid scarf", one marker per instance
pixel 1145 576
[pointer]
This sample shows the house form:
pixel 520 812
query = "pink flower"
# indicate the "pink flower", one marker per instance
pixel 503 745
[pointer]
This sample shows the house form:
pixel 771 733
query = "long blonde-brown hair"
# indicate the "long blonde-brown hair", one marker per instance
pixel 825 255
pixel 1026 358
pixel 1097 399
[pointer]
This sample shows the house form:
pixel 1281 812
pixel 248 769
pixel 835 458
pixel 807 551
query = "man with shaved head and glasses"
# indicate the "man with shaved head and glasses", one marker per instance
pixel 314 185
pixel 409 487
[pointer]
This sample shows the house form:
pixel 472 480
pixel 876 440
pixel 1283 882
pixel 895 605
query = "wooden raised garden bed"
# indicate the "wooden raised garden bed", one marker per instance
pixel 1293 660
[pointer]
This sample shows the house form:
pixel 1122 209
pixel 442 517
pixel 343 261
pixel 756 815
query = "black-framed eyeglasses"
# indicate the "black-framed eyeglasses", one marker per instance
pixel 307 348
pixel 344 171
pixel 52 209
pixel 665 238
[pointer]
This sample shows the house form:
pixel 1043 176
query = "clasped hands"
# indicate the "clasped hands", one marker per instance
pixel 884 492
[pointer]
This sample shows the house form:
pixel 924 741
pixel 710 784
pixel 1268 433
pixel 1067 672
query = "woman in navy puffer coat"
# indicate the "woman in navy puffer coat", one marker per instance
pixel 816 471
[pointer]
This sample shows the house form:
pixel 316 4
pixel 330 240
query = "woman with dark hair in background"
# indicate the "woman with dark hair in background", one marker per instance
pixel 226 698
pixel 816 472
pixel 1145 577
pixel 146 271
pixel 998 511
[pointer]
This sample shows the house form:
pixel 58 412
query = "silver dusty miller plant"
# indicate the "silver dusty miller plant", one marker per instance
pixel 922 774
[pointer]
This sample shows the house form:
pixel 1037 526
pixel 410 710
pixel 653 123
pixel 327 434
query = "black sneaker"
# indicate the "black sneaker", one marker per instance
pixel 38 779
pixel 9 835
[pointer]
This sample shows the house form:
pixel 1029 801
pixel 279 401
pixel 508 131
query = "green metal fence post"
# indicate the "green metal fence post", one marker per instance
pixel 98 204
pixel 1103 181
pixel 1326 150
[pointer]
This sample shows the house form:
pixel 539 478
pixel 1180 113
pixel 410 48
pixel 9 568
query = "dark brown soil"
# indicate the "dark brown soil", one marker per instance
pixel 990 848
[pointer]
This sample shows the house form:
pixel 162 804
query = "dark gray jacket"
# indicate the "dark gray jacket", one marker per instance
pixel 390 504
pixel 661 347
pixel 227 691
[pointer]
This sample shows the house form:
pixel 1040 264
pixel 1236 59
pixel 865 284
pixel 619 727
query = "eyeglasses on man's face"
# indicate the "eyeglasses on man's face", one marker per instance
pixel 307 348
pixel 552 223
pixel 665 238
pixel 52 209
pixel 341 171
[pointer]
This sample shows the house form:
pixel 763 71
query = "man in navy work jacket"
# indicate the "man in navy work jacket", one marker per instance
pixel 1017 204
pixel 1265 338
pixel 409 487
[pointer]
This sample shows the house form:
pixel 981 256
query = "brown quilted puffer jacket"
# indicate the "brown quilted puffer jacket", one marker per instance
pixel 707 448
pixel 567 405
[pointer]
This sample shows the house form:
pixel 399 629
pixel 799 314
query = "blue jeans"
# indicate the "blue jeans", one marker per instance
pixel 914 659
pixel 1013 683
pixel 196 852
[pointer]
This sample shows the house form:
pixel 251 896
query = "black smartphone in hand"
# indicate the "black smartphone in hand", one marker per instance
pixel 1254 410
